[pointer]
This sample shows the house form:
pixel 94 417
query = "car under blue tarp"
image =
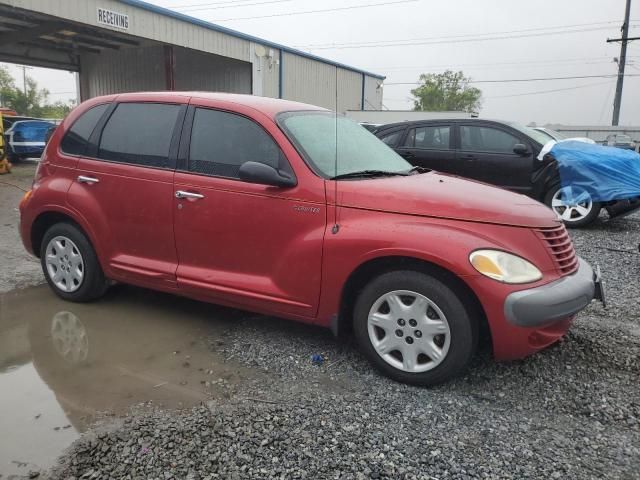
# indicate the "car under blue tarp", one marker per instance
pixel 607 173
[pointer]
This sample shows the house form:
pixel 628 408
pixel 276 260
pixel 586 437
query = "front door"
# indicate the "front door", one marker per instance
pixel 124 187
pixel 241 244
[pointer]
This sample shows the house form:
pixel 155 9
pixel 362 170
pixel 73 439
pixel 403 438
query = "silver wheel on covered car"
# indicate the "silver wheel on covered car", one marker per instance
pixel 409 331
pixel 572 203
pixel 64 264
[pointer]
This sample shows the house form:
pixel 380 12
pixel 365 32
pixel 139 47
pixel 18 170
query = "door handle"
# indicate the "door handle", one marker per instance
pixel 89 180
pixel 468 157
pixel 183 194
pixel 407 155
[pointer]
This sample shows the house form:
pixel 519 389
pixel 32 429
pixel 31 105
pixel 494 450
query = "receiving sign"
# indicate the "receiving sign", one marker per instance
pixel 113 19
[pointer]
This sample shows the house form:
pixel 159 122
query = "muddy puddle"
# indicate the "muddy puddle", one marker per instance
pixel 65 365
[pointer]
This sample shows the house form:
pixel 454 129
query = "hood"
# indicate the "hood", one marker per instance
pixel 445 196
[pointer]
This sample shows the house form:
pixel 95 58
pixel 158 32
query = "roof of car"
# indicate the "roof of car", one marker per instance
pixel 267 105
pixel 442 120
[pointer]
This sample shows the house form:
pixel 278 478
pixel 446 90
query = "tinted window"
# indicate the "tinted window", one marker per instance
pixel 139 133
pixel 76 139
pixel 221 142
pixel 391 139
pixel 429 137
pixel 487 139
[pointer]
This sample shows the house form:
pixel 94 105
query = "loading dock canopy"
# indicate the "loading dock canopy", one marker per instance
pixel 32 38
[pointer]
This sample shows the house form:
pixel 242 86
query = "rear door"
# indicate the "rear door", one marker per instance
pixel 429 146
pixel 242 244
pixel 124 188
pixel 486 153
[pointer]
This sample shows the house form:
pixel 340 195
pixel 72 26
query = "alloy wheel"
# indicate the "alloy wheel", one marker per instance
pixel 572 203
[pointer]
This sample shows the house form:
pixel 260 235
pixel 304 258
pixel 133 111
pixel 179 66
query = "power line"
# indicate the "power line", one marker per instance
pixel 540 92
pixel 449 40
pixel 569 62
pixel 466 35
pixel 201 4
pixel 201 7
pixel 606 101
pixel 515 80
pixel 353 7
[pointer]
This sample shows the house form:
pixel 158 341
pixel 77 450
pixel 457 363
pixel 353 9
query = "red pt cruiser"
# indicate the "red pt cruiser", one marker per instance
pixel 287 209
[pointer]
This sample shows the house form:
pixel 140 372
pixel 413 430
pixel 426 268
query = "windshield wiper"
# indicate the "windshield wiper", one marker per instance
pixel 369 174
pixel 418 170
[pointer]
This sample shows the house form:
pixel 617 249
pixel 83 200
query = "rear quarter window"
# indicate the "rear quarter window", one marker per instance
pixel 392 138
pixel 76 139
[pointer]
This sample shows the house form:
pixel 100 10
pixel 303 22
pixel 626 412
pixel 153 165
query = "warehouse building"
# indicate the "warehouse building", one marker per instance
pixel 130 45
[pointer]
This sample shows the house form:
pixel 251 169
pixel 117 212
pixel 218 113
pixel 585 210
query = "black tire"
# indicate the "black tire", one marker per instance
pixel 578 223
pixel 463 328
pixel 93 284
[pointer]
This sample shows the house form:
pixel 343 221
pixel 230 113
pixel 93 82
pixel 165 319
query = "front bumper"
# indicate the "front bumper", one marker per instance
pixel 555 301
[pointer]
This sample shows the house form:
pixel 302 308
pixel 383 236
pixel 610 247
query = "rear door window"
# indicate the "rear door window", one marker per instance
pixel 76 139
pixel 432 137
pixel 139 134
pixel 221 142
pixel 486 139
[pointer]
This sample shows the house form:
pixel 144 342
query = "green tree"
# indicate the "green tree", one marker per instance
pixel 32 103
pixel 448 91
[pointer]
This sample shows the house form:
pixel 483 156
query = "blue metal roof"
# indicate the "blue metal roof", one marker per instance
pixel 212 26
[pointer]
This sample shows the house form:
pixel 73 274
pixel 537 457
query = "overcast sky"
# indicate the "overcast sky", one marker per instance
pixel 440 35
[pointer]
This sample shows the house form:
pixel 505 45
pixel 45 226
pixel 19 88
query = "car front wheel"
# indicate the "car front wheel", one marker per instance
pixel 573 204
pixel 414 328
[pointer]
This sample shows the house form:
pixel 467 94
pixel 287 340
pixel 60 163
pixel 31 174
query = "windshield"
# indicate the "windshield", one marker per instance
pixel 314 133
pixel 532 133
pixel 555 135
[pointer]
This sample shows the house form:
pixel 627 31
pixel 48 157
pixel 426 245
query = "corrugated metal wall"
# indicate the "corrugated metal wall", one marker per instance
pixel 126 70
pixel 271 76
pixel 372 93
pixel 349 90
pixel 308 81
pixel 202 71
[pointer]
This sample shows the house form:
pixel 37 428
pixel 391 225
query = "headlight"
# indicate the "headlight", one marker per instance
pixel 504 267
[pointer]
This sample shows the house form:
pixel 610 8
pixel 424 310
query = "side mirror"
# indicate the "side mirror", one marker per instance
pixel 521 149
pixel 254 172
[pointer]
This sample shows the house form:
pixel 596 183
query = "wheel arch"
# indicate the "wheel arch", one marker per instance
pixel 375 267
pixel 46 220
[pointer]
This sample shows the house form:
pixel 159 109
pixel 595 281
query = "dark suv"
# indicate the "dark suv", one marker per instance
pixel 501 153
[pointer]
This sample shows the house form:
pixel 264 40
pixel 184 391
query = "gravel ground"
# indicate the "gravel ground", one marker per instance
pixel 572 411
pixel 18 268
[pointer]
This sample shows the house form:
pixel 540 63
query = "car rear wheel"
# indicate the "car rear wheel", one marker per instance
pixel 573 204
pixel 70 264
pixel 414 328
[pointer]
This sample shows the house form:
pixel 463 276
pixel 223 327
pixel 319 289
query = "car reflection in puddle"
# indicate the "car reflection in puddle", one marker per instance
pixel 64 365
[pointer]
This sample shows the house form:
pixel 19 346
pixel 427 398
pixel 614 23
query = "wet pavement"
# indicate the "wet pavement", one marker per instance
pixel 64 366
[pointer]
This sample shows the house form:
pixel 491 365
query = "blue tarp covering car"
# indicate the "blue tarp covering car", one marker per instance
pixel 606 173
pixel 27 138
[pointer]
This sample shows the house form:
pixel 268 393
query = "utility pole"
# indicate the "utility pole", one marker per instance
pixel 621 64
pixel 24 78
